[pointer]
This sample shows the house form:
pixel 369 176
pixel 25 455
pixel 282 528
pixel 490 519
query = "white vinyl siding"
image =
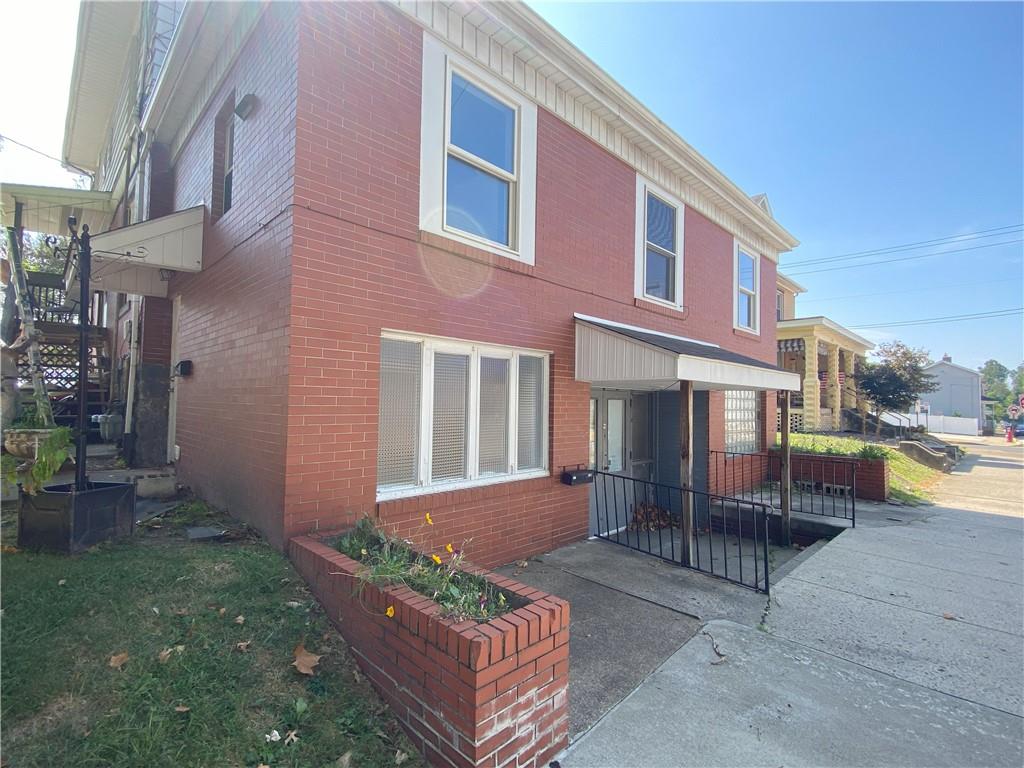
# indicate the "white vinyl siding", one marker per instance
pixel 741 421
pixel 455 414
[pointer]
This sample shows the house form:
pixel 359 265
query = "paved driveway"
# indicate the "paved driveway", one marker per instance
pixel 892 645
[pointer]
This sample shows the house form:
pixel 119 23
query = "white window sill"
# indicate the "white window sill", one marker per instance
pixel 662 303
pixel 425 490
pixel 480 243
pixel 743 329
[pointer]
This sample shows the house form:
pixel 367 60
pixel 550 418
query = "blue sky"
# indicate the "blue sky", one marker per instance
pixel 868 125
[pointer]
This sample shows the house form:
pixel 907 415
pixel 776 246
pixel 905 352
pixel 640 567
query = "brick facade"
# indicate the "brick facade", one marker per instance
pixel 489 694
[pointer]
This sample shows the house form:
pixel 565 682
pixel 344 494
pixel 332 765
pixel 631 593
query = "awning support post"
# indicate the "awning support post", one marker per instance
pixel 84 263
pixel 786 479
pixel 686 469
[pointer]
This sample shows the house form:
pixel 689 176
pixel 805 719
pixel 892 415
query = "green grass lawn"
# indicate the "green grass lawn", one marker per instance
pixel 909 480
pixel 189 694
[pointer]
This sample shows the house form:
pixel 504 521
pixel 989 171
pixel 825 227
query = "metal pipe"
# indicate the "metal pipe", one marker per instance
pixel 84 264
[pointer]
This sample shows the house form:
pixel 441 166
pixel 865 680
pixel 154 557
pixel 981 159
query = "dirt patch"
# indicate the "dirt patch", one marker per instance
pixel 66 710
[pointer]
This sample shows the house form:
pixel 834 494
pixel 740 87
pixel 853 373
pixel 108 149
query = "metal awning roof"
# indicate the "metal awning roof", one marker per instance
pixel 136 259
pixel 46 209
pixel 618 356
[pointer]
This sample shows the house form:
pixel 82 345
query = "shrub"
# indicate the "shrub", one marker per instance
pixel 390 560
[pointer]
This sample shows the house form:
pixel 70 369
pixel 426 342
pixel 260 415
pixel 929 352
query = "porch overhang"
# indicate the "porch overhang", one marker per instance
pixel 46 209
pixel 618 356
pixel 139 259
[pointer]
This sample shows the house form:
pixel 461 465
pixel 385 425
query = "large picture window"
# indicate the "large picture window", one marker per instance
pixel 455 414
pixel 742 422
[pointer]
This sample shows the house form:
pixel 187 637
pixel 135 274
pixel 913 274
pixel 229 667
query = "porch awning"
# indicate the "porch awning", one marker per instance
pixel 137 259
pixel 625 357
pixel 46 209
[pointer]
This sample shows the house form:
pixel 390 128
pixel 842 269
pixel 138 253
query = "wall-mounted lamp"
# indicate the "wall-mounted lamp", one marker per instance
pixel 246 105
pixel 166 274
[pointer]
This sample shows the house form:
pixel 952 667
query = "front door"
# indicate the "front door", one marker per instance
pixel 621 443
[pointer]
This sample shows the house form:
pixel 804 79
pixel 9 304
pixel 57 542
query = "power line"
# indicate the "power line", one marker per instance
pixel 928 289
pixel 949 239
pixel 904 258
pixel 44 154
pixel 945 319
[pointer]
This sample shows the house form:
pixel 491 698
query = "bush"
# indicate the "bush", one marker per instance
pixel 390 560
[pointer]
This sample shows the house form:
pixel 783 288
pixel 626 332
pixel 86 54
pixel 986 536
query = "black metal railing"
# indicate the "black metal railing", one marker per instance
pixel 819 484
pixel 728 537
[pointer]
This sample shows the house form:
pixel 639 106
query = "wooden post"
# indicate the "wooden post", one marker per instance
pixel 786 475
pixel 686 469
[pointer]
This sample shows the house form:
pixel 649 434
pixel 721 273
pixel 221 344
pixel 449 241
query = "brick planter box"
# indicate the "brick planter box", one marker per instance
pixel 468 694
pixel 872 474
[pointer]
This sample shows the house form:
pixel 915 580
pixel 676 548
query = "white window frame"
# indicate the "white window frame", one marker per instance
pixel 780 304
pixel 433 344
pixel 439 63
pixel 755 295
pixel 643 186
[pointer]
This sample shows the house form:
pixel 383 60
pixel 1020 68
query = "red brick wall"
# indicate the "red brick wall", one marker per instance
pixel 235 313
pixel 468 694
pixel 361 264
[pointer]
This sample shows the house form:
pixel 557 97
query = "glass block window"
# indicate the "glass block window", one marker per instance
pixel 454 414
pixel 397 446
pixel 481 163
pixel 742 422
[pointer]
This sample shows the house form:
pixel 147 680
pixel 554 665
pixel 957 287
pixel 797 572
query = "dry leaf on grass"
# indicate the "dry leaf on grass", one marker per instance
pixel 400 757
pixel 179 648
pixel 182 708
pixel 304 660
pixel 243 646
pixel 291 738
pixel 239 619
pixel 222 611
pixel 522 563
pixel 62 582
pixel 7 549
pixel 164 655
pixel 345 761
pixel 118 660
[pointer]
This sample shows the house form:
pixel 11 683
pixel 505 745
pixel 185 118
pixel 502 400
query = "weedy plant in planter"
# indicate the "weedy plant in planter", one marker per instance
pixel 389 560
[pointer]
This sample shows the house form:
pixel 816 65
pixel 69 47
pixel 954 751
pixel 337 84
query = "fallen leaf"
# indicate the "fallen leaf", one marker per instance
pixel 357 675
pixel 179 648
pixel 164 655
pixel 400 757
pixel 182 708
pixel 293 604
pixel 950 616
pixel 304 660
pixel 345 761
pixel 243 646
pixel 290 738
pixel 156 610
pixel 118 660
pixel 62 582
pixel 239 619
pixel 522 563
pixel 222 611
pixel 7 549
pixel 181 611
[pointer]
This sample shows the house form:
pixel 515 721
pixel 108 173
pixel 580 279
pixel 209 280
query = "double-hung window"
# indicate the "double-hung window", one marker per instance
pixel 659 225
pixel 478 156
pixel 747 271
pixel 455 414
pixel 780 305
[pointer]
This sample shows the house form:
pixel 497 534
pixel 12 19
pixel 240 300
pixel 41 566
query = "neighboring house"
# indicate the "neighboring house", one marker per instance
pixel 397 259
pixel 827 374
pixel 959 392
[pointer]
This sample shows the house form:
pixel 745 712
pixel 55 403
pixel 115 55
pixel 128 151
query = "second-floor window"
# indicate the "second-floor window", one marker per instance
pixel 229 159
pixel 747 276
pixel 780 305
pixel 659 246
pixel 478 156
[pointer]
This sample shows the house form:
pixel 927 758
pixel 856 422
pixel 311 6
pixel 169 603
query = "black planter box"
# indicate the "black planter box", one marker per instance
pixel 61 519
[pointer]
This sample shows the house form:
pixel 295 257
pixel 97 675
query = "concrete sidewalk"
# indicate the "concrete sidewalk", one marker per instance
pixel 898 644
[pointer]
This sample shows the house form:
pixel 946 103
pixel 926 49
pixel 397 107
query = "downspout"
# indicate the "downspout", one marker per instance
pixel 133 360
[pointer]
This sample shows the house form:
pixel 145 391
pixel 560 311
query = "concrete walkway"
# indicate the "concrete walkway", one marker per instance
pixel 896 644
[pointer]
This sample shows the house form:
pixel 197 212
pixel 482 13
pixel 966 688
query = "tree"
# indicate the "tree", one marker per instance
pixel 896 380
pixel 993 380
pixel 41 253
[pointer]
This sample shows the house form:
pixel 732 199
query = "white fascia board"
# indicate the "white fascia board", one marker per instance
pixel 718 373
pixel 602 321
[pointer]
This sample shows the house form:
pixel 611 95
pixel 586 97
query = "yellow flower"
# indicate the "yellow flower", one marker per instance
pixel 429 519
pixel 436 559
pixel 448 548
pixel 390 612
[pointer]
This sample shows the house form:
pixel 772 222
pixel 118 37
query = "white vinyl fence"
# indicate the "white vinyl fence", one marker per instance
pixel 950 425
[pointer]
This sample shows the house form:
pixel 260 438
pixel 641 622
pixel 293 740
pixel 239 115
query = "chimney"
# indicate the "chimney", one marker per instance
pixel 946 358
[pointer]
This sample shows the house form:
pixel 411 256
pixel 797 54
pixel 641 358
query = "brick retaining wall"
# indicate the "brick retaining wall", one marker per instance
pixel 468 694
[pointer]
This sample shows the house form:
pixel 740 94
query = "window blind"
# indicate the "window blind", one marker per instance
pixel 494 414
pixel 397 454
pixel 531 413
pixel 451 388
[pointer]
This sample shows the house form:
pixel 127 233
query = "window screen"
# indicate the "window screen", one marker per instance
pixel 399 412
pixel 494 415
pixel 741 421
pixel 531 413
pixel 451 387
